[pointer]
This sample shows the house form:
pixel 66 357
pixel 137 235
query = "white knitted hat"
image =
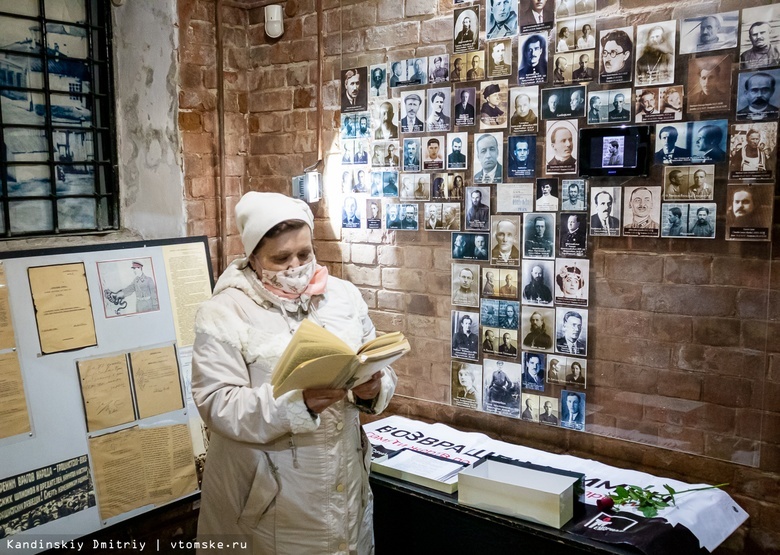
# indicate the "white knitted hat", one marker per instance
pixel 257 213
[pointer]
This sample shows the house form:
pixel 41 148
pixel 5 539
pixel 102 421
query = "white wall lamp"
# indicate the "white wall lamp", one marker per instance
pixel 274 21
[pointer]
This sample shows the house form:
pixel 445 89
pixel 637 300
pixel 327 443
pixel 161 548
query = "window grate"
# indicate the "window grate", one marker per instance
pixel 56 118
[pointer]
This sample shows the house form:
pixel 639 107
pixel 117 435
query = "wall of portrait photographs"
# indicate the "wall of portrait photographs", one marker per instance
pixel 482 141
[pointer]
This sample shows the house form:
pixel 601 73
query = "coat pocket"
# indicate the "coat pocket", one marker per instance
pixel 262 492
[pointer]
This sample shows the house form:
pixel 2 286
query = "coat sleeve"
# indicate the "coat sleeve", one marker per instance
pixel 389 378
pixel 230 404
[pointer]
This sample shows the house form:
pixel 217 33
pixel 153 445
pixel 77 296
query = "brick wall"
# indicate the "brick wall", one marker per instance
pixel 684 372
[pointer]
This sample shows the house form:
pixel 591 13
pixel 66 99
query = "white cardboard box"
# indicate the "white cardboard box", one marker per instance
pixel 545 497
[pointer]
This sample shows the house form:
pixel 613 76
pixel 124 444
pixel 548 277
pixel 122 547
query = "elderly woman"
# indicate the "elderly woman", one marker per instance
pixel 287 474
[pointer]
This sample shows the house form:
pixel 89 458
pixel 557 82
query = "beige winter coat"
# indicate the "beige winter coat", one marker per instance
pixel 275 476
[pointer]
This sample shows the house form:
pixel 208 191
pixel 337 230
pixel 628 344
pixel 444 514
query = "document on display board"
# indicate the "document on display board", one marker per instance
pixel 62 307
pixel 156 380
pixel 7 339
pixel 105 390
pixel 189 285
pixel 14 419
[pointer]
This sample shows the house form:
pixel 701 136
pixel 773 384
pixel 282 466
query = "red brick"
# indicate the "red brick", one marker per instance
pixel 728 391
pixel 721 332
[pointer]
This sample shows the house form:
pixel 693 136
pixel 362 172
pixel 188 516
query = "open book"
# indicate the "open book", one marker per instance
pixel 316 358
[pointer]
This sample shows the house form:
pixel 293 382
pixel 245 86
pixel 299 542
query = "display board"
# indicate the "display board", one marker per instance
pixel 97 423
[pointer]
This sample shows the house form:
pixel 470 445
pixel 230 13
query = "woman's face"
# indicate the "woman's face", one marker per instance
pixel 290 249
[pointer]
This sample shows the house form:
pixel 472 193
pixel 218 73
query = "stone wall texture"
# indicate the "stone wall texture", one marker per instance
pixel 684 366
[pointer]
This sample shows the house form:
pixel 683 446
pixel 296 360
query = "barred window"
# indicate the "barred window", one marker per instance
pixel 56 118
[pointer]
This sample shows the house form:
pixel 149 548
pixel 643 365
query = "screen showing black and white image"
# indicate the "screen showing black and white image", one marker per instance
pixel 709 84
pixel 438 68
pixel 457 151
pixel 532 59
pixel 571 281
pixel 536 15
pixel 561 103
pixel 499 58
pixel 493 105
pixel 373 214
pixel 573 410
pixel 571 331
pixel 574 193
pixel 655 53
pixel 378 76
pixel 412 112
pixel 466 29
pixel 753 151
pixel 561 146
pixel 641 211
pixel 672 144
pixel 502 387
pixel 573 240
pixel 501 19
pixel 539 235
pixel 547 194
pixel 470 246
pixel 477 208
pixel 533 372
pixel 465 284
pixel 576 33
pixel 758 38
pixel 412 153
pixel 749 212
pixel 708 138
pixel 465 334
pixel 465 109
pixel 433 152
pixel 385 118
pixel 505 236
pixel 515 197
pixel 605 211
pixel 658 104
pixel 616 58
pixel 530 405
pixel 415 186
pixel 521 153
pixel 537 328
pixel 612 151
pixel 488 158
pixel 537 287
pixel 706 33
pixel 524 104
pixel 758 97
pixel 354 90
pixel 466 385
pixel 438 109
pixel 384 154
pixel 351 216
pixel 674 219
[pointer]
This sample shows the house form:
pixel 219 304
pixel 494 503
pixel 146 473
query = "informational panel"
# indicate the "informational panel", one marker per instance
pixel 97 423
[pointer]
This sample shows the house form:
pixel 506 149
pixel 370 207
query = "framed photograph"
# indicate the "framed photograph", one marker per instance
pixel 409 217
pixel 537 328
pixel 378 88
pixel 547 194
pixel 457 151
pixel 753 151
pixel 464 109
pixel 415 186
pixel 494 105
pixel 641 211
pixel 702 218
pixel 488 154
pixel 575 33
pixel 438 69
pixel 707 33
pixel 502 387
pixel 530 404
pixel 757 96
pixel 573 410
pixel 563 103
pixel 573 240
pixel 539 235
pixel 373 213
pixel 412 112
pixel 433 152
pixel 533 373
pixel 501 19
pixel 655 53
pixel 538 282
pixel 439 109
pixel 521 153
pixel 385 119
pixel 507 283
pixel 658 104
pixel 604 205
pixel 574 193
pixel 561 146
pixel 525 101
pixel 709 84
pixel 616 61
pixel 470 246
pixel 505 234
pixel 758 46
pixel 466 29
pixel 571 331
pixel 477 211
pixel 476 71
pixel 466 385
pixel 532 56
pixel 465 334
pixel 354 90
pixel 411 160
pixel 674 219
pixel 572 281
pixel 465 284
pixel 549 409
pixel 749 212
pixel 536 16
pixel 499 58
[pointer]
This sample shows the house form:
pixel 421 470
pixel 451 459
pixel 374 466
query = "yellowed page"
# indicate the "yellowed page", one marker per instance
pixel 62 307
pixel 189 285
pixel 117 459
pixel 105 388
pixel 14 419
pixel 168 462
pixel 156 378
pixel 7 339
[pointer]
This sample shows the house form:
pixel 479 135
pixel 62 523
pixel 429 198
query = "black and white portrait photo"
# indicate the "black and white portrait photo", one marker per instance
pixel 612 151
pixel 753 151
pixel 537 286
pixel 470 246
pixel 458 68
pixel 505 237
pixel 438 68
pixel 457 151
pixel 409 216
pixel 354 90
pixel 546 194
pixel 530 406
pixel 709 84
pixel 710 32
pixel 412 155
pixel 748 212
pixel 465 284
pixel 561 147
pixel 605 211
pixel 466 385
pixel 702 220
pixel 561 103
pixel 672 144
pixel 536 15
pixel 412 112
pixel 655 53
pixel 378 77
pixel 708 138
pixel 390 184
pixel 574 194
pixel 385 117
pixel 533 378
pixel 433 152
pixel 641 211
pixel 524 109
pixel 758 43
pixel 501 387
pixel 417 71
pixel 477 208
pixel 465 102
pixel 384 154
pixel 476 66
pixel 466 29
pixel 571 281
pixel 758 96
pixel 465 334
pixel 659 104
pixel 373 214
pixel 488 158
pixel 537 328
pixel 572 410
pixel 438 109
pixel 532 66
pixel 521 154
pixel 494 105
pixel 571 331
pixel 415 186
pixel 499 58
pixel 350 213
pixel 129 286
pixel 576 33
pixel 539 235
pixel 501 19
pixel 573 241
pixel 616 59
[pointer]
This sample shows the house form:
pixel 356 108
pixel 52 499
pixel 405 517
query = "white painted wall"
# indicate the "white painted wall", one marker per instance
pixel 151 177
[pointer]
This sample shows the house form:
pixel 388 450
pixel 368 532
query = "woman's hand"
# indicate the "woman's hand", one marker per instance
pixel 317 400
pixel 369 389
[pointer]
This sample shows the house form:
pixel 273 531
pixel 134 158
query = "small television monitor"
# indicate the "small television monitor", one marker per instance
pixel 618 151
